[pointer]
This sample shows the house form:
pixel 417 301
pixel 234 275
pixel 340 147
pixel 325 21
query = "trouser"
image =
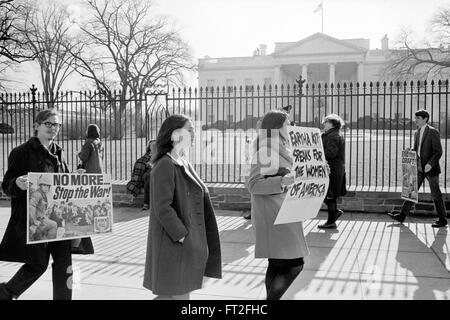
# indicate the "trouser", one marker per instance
pixel 332 209
pixel 61 272
pixel 436 194
pixel 146 188
pixel 280 274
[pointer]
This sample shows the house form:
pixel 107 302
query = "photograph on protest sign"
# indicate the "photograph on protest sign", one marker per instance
pixel 63 206
pixel 409 176
pixel 305 197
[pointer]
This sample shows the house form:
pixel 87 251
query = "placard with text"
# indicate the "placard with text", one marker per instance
pixel 409 176
pixel 305 197
pixel 63 206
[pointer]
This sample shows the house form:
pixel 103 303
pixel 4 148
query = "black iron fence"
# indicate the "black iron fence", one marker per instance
pixel 379 124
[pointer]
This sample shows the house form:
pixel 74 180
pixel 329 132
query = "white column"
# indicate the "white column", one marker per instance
pixel 360 78
pixel 305 72
pixel 277 76
pixel 332 80
pixel 332 71
pixel 361 81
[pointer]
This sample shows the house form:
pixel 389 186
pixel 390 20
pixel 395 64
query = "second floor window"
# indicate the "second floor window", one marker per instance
pixel 210 84
pixel 248 84
pixel 229 85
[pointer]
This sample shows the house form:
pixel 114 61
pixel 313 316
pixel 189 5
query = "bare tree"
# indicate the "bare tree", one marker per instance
pixel 47 33
pixel 11 38
pixel 128 49
pixel 12 41
pixel 429 58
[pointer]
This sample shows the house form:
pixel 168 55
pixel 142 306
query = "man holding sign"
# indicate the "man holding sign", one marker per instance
pixel 427 143
pixel 39 154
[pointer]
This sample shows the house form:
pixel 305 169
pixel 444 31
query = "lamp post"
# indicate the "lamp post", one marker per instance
pixel 33 90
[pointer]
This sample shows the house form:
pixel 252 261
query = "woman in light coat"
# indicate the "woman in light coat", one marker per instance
pixel 183 237
pixel 283 244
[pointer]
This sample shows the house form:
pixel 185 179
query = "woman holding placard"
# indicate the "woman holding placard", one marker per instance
pixel 283 244
pixel 334 148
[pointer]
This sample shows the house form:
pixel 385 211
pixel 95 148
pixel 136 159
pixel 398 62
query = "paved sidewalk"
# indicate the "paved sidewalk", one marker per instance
pixel 367 257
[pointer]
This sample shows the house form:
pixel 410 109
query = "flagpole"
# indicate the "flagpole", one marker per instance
pixel 322 14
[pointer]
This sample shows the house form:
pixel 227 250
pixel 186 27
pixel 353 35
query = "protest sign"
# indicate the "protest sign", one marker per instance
pixel 409 173
pixel 63 206
pixel 305 197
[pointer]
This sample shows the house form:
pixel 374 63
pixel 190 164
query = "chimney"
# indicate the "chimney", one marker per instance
pixel 385 43
pixel 262 49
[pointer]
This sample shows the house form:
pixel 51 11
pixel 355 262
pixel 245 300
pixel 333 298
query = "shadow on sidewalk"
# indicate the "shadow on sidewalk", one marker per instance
pixel 124 214
pixel 317 257
pixel 425 288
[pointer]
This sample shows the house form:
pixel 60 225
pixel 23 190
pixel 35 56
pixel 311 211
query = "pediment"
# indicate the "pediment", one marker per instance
pixel 318 44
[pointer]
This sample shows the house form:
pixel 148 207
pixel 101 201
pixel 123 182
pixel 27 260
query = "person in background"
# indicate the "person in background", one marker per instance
pixel 92 152
pixel 288 110
pixel 39 154
pixel 334 149
pixel 140 176
pixel 427 144
pixel 283 244
pixel 183 238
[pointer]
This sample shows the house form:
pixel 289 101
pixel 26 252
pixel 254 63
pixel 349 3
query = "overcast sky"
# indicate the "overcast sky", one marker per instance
pixel 230 28
pixel 227 28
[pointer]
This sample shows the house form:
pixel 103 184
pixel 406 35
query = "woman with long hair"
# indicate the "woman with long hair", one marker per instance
pixel 183 238
pixel 284 245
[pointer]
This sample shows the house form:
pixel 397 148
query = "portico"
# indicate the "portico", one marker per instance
pixel 319 58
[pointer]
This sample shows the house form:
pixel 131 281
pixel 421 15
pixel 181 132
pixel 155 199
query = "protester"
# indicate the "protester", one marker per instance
pixel 39 154
pixel 334 149
pixel 141 175
pixel 183 238
pixel 427 144
pixel 283 244
pixel 287 109
pixel 92 152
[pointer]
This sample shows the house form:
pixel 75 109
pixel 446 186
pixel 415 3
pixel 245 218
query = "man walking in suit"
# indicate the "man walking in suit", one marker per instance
pixel 427 144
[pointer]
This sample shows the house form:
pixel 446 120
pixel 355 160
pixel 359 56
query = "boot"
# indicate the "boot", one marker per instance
pixel 339 214
pixel 4 293
pixel 327 225
pixel 333 215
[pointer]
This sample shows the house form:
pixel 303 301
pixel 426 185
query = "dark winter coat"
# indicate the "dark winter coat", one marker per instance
pixel 334 148
pixel 31 156
pixel 430 150
pixel 91 155
pixel 180 207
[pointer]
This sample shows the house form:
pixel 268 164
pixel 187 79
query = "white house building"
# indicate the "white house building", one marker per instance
pixel 318 58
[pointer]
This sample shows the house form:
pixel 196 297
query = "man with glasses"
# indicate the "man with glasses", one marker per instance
pixel 39 154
